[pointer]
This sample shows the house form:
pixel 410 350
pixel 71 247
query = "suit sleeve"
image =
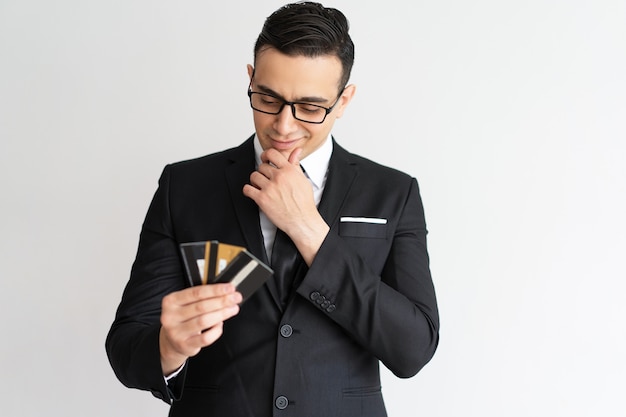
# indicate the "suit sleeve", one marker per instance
pixel 392 312
pixel 133 341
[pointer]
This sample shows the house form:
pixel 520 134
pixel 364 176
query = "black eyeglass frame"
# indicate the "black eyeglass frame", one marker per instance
pixel 292 104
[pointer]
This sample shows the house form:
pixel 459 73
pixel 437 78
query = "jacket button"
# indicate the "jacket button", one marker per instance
pixel 331 308
pixel 286 330
pixel 320 299
pixel 314 295
pixel 325 304
pixel 281 402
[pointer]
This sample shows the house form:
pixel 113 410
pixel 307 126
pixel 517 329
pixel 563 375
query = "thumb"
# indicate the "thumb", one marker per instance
pixel 294 157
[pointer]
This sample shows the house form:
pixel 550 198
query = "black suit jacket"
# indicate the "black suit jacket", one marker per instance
pixel 367 297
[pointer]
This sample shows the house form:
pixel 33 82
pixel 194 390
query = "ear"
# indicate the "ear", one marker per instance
pixel 345 98
pixel 250 71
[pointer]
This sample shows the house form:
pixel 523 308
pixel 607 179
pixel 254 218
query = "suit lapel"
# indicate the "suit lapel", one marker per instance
pixel 246 210
pixel 341 174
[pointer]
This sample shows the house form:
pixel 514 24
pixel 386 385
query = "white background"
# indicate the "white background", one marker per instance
pixel 511 114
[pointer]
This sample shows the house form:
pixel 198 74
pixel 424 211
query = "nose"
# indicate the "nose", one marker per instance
pixel 285 123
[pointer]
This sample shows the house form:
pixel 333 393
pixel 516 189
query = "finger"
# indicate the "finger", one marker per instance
pixel 216 303
pixel 189 344
pixel 203 323
pixel 173 315
pixel 197 293
pixel 265 170
pixel 273 157
pixel 209 336
pixel 212 306
pixel 251 192
pixel 206 321
pixel 294 157
pixel 181 333
pixel 259 179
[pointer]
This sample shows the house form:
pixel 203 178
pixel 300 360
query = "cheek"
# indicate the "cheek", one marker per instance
pixel 259 119
pixel 316 137
pixel 319 132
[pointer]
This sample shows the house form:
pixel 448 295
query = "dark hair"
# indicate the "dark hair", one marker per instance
pixel 309 29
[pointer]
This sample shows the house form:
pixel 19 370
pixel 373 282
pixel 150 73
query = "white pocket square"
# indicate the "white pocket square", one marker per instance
pixel 372 220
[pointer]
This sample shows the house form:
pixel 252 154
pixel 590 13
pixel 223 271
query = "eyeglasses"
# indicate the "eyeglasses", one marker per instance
pixel 305 112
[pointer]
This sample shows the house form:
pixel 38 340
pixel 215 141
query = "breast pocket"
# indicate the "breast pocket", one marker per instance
pixel 366 227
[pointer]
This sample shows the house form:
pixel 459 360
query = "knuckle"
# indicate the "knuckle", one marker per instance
pixel 165 321
pixel 196 292
pixel 200 308
pixel 204 321
pixel 215 331
pixel 167 301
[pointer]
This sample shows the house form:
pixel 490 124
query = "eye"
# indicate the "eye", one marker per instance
pixel 269 100
pixel 309 108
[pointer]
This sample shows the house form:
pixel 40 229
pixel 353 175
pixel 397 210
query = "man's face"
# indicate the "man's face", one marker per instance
pixel 297 79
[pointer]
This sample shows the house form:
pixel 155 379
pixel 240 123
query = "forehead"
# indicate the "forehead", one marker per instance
pixel 297 76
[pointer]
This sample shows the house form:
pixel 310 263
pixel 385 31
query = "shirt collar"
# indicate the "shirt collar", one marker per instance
pixel 315 165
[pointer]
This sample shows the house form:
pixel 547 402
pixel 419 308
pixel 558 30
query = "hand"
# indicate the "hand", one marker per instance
pixel 281 189
pixel 192 319
pixel 284 193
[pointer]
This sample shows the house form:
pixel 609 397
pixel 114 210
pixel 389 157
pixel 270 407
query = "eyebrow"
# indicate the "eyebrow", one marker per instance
pixel 307 99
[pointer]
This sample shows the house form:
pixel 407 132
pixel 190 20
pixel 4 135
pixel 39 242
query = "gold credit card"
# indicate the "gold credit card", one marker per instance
pixel 216 257
pixel 225 254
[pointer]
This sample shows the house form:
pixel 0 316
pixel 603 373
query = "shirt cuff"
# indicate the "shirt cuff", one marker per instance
pixel 174 374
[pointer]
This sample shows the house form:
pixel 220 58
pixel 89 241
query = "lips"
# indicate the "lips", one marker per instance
pixel 284 145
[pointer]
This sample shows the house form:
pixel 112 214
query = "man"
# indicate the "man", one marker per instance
pixel 361 292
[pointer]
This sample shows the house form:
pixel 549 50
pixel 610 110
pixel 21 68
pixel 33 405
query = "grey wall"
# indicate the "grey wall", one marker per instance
pixel 510 114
